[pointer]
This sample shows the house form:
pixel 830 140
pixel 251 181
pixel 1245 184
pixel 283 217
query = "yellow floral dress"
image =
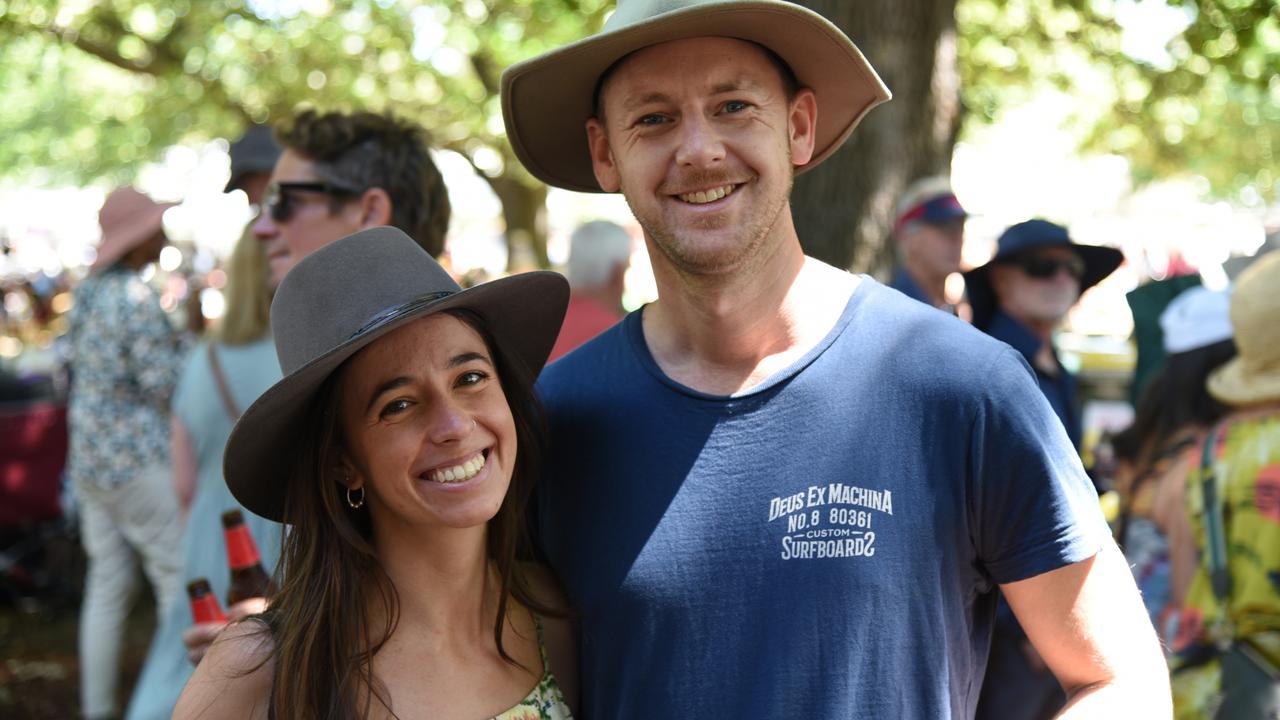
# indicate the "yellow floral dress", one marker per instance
pixel 1247 472
pixel 546 700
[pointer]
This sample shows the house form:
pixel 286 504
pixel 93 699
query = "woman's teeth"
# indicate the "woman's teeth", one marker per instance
pixel 706 196
pixel 458 473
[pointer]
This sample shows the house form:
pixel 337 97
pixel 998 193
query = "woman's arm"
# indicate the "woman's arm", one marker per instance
pixel 234 679
pixel 184 465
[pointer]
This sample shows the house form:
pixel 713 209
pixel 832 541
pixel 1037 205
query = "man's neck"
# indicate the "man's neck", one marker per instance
pixel 726 336
pixel 1045 359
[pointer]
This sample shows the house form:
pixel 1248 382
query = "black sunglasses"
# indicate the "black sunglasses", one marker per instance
pixel 1042 267
pixel 279 200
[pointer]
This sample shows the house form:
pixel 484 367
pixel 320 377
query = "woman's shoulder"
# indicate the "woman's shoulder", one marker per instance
pixel 234 679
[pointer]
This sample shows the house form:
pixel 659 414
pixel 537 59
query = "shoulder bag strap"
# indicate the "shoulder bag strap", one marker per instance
pixel 1215 530
pixel 228 401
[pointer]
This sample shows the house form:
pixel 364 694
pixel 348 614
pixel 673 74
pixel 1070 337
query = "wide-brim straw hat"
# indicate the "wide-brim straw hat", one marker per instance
pixel 341 298
pixel 547 100
pixel 128 218
pixel 1099 262
pixel 1253 376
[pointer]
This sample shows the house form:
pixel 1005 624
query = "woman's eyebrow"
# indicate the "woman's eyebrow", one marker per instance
pixel 464 358
pixel 391 384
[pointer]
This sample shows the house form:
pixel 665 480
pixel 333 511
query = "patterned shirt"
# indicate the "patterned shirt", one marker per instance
pixel 125 360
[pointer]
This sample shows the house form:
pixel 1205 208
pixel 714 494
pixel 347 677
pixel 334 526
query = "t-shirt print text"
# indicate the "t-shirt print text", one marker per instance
pixel 830 521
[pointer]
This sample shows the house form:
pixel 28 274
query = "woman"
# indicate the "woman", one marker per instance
pixel 220 379
pixel 1227 661
pixel 390 448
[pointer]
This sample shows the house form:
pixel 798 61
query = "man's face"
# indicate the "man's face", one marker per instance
pixel 935 247
pixel 1040 285
pixel 699 136
pixel 310 224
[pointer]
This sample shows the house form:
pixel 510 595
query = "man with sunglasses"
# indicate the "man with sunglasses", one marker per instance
pixel 344 172
pixel 1021 297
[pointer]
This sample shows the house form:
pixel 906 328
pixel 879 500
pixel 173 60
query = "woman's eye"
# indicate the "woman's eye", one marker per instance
pixel 471 378
pixel 394 408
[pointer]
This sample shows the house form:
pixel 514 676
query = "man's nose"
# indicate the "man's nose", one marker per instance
pixel 700 142
pixel 263 226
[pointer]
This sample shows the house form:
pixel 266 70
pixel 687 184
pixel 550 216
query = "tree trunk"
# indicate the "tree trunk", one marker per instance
pixel 524 210
pixel 844 208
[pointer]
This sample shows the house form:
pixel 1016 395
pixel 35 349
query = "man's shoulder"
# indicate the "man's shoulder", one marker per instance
pixel 922 335
pixel 593 361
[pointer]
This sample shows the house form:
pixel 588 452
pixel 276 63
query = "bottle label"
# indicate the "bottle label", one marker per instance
pixel 205 609
pixel 241 551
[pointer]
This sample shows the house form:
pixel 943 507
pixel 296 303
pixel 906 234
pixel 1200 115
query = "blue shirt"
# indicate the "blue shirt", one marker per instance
pixel 1059 388
pixel 904 283
pixel 824 545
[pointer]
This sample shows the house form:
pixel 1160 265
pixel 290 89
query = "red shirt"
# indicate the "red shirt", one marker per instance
pixel 583 320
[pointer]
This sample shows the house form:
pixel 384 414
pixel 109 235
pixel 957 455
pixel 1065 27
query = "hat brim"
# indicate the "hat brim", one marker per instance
pixel 523 312
pixel 1099 262
pixel 546 101
pixel 1233 384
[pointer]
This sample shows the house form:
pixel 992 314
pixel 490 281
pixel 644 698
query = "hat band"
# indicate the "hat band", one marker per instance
pixel 398 311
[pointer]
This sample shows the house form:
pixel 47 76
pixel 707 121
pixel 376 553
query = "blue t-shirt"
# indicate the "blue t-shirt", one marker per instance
pixel 821 546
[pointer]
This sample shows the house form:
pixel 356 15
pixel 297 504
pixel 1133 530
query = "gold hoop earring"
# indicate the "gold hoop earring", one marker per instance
pixel 355 502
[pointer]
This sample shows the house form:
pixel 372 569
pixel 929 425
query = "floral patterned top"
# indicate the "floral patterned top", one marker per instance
pixel 546 700
pixel 125 361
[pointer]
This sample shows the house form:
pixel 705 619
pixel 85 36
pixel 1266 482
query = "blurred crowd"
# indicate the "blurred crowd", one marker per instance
pixel 144 390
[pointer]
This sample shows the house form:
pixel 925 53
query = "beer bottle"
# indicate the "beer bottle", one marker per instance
pixel 204 606
pixel 248 578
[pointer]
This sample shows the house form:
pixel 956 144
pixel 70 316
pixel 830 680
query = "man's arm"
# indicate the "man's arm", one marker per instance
pixel 1088 623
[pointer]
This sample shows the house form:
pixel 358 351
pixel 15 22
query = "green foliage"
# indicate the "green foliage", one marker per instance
pixel 1210 107
pixel 95 89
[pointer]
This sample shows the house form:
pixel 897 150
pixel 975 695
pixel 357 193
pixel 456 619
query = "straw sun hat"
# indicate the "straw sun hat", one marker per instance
pixel 1253 376
pixel 547 100
pixel 343 297
pixel 128 218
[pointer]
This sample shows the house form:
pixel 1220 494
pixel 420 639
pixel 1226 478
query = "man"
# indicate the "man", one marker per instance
pixel 599 255
pixel 929 232
pixel 125 360
pixel 340 173
pixel 1023 294
pixel 1021 297
pixel 762 497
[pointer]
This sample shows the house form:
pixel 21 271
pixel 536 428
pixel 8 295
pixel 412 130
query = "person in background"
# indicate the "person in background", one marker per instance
pixel 125 357
pixel 763 496
pixel 929 235
pixel 343 172
pixel 1226 664
pixel 340 173
pixel 1162 446
pixel 599 255
pixel 400 448
pixel 1022 295
pixel 222 377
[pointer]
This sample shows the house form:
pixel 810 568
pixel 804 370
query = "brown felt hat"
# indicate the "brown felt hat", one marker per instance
pixel 547 100
pixel 343 297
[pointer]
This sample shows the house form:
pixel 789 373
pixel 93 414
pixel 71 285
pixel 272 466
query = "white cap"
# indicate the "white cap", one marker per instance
pixel 1197 317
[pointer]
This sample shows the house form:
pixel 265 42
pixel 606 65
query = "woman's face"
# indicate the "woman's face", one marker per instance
pixel 427 429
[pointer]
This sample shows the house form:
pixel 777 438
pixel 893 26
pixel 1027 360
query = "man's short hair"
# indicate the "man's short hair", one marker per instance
pixel 366 150
pixel 595 249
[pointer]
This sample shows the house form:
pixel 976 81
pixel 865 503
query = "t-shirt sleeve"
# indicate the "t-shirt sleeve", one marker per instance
pixel 1035 508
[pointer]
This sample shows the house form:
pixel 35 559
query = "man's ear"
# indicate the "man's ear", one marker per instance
pixel 802 124
pixel 375 208
pixel 602 157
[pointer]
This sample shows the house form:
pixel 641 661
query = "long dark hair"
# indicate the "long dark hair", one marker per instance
pixel 324 640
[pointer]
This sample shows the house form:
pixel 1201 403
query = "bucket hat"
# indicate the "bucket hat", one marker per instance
pixel 1253 376
pixel 128 218
pixel 344 296
pixel 547 100
pixel 1099 262
pixel 1198 317
pixel 255 152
